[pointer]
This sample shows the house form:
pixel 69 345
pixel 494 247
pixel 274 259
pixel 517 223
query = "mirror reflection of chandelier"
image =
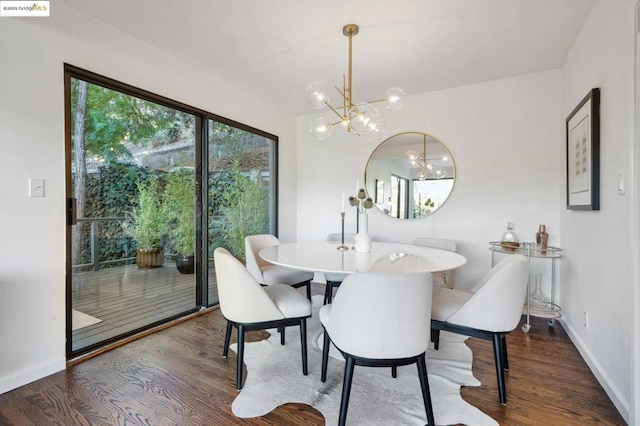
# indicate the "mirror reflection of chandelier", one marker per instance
pixel 361 118
pixel 429 170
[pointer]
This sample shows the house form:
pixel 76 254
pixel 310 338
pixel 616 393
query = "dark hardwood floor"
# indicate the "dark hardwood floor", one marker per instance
pixel 177 376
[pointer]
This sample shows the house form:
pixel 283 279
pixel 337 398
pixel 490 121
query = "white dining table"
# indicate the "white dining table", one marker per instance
pixel 324 256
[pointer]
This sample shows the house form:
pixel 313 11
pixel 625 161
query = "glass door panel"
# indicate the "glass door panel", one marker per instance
pixel 398 201
pixel 241 191
pixel 132 182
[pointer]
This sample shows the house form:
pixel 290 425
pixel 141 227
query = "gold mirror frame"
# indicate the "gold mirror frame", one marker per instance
pixel 394 184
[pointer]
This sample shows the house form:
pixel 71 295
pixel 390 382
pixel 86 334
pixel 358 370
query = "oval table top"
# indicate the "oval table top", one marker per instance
pixel 324 256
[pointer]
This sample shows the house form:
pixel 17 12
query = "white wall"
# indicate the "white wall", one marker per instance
pixel 506 139
pixel 32 270
pixel 597 276
pixel 506 136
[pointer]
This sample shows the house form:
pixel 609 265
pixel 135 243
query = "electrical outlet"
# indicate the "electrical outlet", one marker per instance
pixel 585 319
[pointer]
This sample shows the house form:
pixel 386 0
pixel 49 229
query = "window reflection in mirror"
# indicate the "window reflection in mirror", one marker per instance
pixel 410 175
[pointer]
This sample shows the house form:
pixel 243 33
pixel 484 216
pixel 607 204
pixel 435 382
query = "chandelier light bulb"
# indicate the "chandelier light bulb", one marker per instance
pixel 360 116
pixel 321 128
pixel 438 173
pixel 318 94
pixel 412 158
pixel 378 131
pixel 393 98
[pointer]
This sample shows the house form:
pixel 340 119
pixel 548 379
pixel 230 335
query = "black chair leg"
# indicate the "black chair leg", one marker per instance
pixel 240 357
pixel 346 390
pixel 328 290
pixel 303 344
pixel 325 356
pixel 281 331
pixel 435 338
pixel 394 371
pixel 227 339
pixel 426 392
pixel 497 355
pixel 505 357
pixel 309 290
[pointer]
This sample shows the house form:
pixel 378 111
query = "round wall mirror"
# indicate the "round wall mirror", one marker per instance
pixel 410 175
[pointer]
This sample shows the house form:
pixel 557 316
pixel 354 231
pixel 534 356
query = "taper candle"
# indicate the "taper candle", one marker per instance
pixel 343 202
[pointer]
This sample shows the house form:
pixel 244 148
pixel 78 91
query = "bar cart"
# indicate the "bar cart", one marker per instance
pixel 548 309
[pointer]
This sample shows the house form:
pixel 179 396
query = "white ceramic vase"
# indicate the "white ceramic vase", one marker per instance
pixel 363 240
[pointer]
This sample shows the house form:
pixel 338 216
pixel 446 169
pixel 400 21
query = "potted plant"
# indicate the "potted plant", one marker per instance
pixel 178 202
pixel 149 225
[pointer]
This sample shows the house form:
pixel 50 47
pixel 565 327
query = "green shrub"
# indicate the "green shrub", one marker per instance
pixel 179 204
pixel 246 210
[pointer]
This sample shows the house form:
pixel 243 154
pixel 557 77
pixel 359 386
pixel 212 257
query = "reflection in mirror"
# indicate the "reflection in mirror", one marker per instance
pixel 410 175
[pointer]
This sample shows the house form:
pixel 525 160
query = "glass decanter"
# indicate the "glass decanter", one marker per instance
pixel 537 299
pixel 509 239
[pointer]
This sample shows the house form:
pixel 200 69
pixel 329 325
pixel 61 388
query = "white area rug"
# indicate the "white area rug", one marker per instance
pixel 275 378
pixel 81 320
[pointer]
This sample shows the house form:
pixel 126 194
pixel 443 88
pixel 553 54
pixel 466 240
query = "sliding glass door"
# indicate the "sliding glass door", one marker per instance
pixel 153 187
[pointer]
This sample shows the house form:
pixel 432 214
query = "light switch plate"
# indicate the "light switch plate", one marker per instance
pixel 620 184
pixel 36 187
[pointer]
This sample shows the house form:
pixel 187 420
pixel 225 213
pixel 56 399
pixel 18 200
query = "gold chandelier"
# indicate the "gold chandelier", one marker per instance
pixel 428 169
pixel 361 118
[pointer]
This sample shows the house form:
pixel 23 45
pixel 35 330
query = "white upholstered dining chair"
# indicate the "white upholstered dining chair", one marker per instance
pixel 334 280
pixel 440 279
pixel 247 305
pixel 267 273
pixel 490 311
pixel 379 320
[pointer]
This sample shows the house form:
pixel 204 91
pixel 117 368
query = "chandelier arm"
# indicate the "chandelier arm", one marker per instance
pixel 335 111
pixel 343 94
pixel 337 122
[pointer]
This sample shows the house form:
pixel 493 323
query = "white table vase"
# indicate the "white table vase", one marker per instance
pixel 363 240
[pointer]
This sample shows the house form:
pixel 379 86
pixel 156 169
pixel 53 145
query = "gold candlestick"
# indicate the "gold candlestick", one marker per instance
pixel 342 247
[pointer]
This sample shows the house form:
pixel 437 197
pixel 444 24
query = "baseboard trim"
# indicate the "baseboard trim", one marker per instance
pixel 37 372
pixel 31 374
pixel 621 404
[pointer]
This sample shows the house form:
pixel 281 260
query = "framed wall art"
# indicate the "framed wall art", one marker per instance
pixel 583 154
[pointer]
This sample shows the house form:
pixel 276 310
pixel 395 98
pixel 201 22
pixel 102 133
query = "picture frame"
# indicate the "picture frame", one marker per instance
pixel 583 154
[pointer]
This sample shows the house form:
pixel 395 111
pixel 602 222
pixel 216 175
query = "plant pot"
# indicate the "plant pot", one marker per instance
pixel 150 257
pixel 185 264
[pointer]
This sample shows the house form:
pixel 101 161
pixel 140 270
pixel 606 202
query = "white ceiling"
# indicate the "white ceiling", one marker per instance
pixel 275 48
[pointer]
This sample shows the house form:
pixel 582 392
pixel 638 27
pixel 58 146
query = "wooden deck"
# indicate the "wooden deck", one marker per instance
pixel 128 298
